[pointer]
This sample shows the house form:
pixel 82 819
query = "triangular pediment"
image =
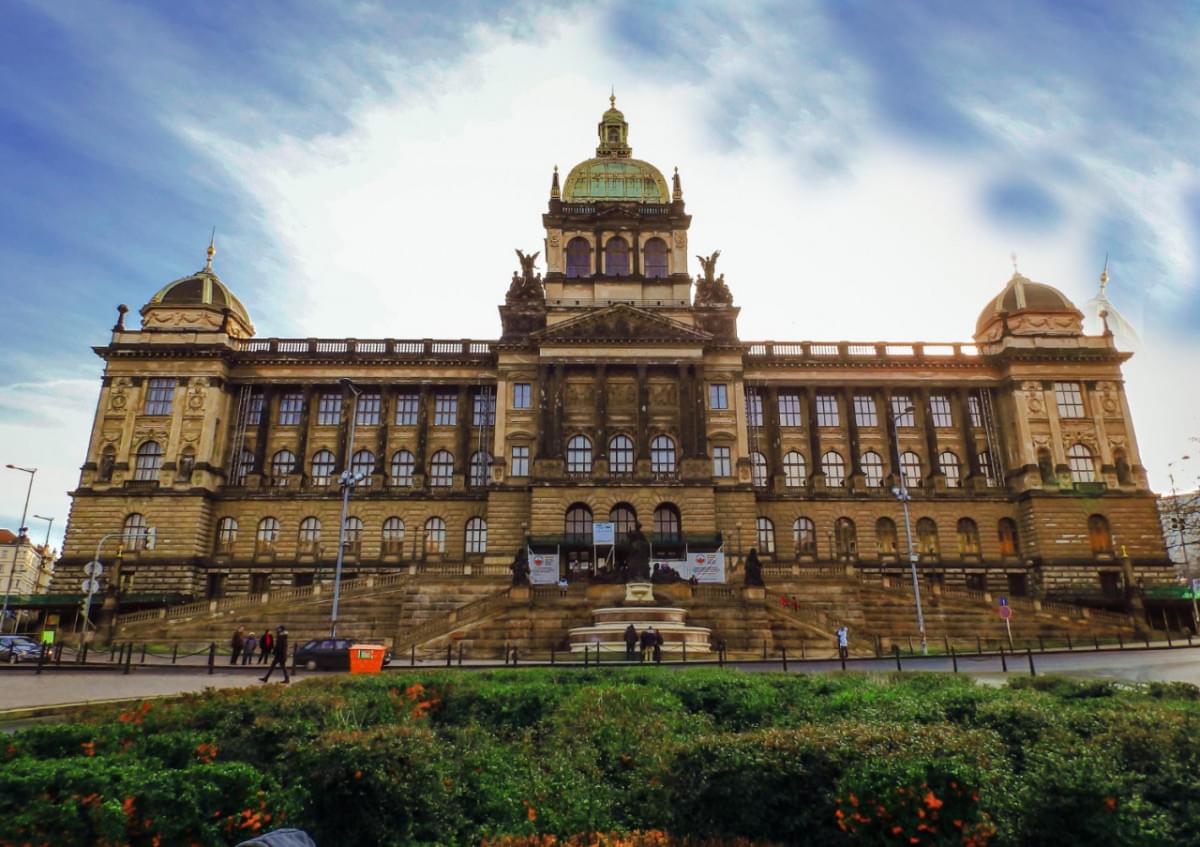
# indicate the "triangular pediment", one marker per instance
pixel 621 324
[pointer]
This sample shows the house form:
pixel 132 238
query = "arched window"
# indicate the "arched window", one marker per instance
pixel 766 536
pixel 363 464
pixel 910 469
pixel 1046 467
pixel 579 258
pixel 227 529
pixel 758 470
pixel 267 535
pixel 794 471
pixel 654 258
pixel 480 462
pixel 147 461
pixel 950 469
pixel 623 517
pixel 616 257
pixel 927 537
pixel 134 533
pixel 968 537
pixel 872 468
pixel 393 536
pixel 579 455
pixel 834 468
pixel 441 467
pixel 885 536
pixel 578 525
pixel 662 454
pixel 310 535
pixel 354 533
pixel 666 522
pixel 283 463
pixel 108 459
pixel 245 465
pixel 985 468
pixel 476 536
pixel 1010 543
pixel 804 534
pixel 1100 535
pixel 322 467
pixel 620 455
pixel 1079 460
pixel 403 465
pixel 435 536
pixel 846 538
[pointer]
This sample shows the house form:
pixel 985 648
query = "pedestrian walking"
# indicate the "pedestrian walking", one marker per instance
pixel 279 654
pixel 649 639
pixel 249 643
pixel 236 643
pixel 264 645
pixel 843 641
pixel 631 642
pixel 658 643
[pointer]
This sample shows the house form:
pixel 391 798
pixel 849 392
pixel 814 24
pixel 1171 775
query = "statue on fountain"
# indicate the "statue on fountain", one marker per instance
pixel 638 545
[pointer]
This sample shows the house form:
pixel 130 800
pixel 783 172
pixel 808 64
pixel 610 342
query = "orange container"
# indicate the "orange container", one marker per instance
pixel 366 658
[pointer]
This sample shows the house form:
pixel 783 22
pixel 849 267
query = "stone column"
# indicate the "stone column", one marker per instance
pixel 889 423
pixel 686 437
pixel 545 405
pixel 387 400
pixel 699 407
pixel 264 429
pixel 852 432
pixel 773 453
pixel 925 423
pixel 643 414
pixel 462 438
pixel 305 419
pixel 422 446
pixel 560 387
pixel 968 433
pixel 808 398
pixel 601 411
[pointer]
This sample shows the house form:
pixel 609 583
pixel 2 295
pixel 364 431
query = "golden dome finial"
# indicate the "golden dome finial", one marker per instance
pixel 212 249
pixel 1104 275
pixel 612 97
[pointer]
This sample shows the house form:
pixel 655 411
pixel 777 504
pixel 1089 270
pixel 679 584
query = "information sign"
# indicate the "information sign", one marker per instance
pixel 604 532
pixel 543 568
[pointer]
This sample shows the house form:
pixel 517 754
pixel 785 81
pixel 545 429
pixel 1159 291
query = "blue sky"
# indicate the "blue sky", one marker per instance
pixel 838 153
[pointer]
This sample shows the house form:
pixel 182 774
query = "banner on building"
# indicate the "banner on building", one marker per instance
pixel 603 532
pixel 707 567
pixel 543 568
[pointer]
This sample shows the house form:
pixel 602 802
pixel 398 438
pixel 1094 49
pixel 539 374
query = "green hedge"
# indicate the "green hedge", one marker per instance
pixel 709 756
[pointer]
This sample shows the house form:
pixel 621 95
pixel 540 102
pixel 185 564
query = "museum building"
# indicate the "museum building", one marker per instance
pixel 618 391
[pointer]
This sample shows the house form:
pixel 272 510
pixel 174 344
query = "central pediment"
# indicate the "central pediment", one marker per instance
pixel 621 324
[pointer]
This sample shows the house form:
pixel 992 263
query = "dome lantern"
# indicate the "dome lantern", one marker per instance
pixel 200 302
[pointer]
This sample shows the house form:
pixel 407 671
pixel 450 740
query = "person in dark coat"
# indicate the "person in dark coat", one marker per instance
pixel 631 641
pixel 264 645
pixel 236 643
pixel 249 643
pixel 658 643
pixel 649 639
pixel 280 655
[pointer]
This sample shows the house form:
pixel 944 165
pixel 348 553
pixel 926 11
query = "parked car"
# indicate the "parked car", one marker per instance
pixel 18 648
pixel 329 654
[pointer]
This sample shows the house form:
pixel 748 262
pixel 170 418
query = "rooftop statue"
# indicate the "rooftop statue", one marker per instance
pixel 710 288
pixel 526 286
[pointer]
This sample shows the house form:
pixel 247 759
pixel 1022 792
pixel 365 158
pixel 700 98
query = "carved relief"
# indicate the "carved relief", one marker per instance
pixel 117 399
pixel 195 395
pixel 622 394
pixel 1033 398
pixel 663 395
pixel 680 238
pixel 1109 400
pixel 580 394
pixel 554 238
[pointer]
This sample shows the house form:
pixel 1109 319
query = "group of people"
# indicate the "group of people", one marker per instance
pixel 650 641
pixel 243 645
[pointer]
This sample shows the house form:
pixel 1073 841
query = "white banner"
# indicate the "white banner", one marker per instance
pixel 706 567
pixel 543 568
pixel 603 532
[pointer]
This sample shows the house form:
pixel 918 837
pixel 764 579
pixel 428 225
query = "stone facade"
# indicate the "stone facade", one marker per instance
pixel 618 381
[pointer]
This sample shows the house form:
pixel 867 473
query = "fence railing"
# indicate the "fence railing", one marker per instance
pixel 391 347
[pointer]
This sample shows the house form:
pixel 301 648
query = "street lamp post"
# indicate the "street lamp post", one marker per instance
pixel 901 494
pixel 146 537
pixel 348 481
pixel 21 532
pixel 1181 524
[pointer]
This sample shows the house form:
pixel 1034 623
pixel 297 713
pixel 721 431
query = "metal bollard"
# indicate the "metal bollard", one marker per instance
pixel 587 655
pixel 910 647
pixel 1146 638
pixel 41 657
pixel 784 649
pixel 449 654
pixel 1070 646
pixel 551 655
pixel 460 651
pixel 128 658
pixel 1003 661
pixel 212 657
pixel 174 653
pixel 978 646
pixel 896 653
pixel 878 647
pixel 954 659
pixel 58 654
pixel 721 655
pixel 764 649
pixel 83 654
pixel 1120 641
pixel 685 651
pixel 143 661
pixel 412 656
pixel 803 651
pixel 1096 640
pixel 1041 644
pixel 1169 644
pixel 515 655
pixel 1032 670
pixel 597 655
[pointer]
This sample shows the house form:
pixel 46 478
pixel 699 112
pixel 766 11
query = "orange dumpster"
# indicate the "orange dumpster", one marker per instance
pixel 366 658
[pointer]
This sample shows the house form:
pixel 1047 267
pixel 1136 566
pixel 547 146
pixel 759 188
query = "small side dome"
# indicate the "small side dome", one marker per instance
pixel 1025 307
pixel 199 302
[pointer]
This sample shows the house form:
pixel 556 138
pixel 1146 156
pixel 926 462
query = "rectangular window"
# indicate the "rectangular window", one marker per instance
pixel 254 410
pixel 718 396
pixel 754 409
pixel 864 410
pixel 827 410
pixel 522 395
pixel 159 394
pixel 1069 397
pixel 406 409
pixel 520 462
pixel 939 409
pixel 367 410
pixel 721 464
pixel 445 409
pixel 484 412
pixel 290 407
pixel 789 410
pixel 329 410
pixel 975 410
pixel 902 410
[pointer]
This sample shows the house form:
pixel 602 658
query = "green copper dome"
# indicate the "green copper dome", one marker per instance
pixel 613 179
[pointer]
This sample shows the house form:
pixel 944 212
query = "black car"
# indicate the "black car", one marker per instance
pixel 18 648
pixel 329 654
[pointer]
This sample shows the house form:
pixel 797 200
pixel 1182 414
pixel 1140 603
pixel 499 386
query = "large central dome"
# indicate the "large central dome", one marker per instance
pixel 614 176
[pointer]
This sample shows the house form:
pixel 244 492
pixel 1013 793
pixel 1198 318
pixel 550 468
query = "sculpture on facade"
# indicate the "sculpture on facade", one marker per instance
pixel 711 289
pixel 526 286
pixel 520 568
pixel 638 559
pixel 754 574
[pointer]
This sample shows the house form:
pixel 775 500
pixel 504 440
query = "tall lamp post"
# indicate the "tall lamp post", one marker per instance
pixel 22 532
pixel 1181 524
pixel 900 492
pixel 348 480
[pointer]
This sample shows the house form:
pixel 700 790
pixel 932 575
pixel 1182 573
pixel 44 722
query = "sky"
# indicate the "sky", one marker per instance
pixel 867 169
